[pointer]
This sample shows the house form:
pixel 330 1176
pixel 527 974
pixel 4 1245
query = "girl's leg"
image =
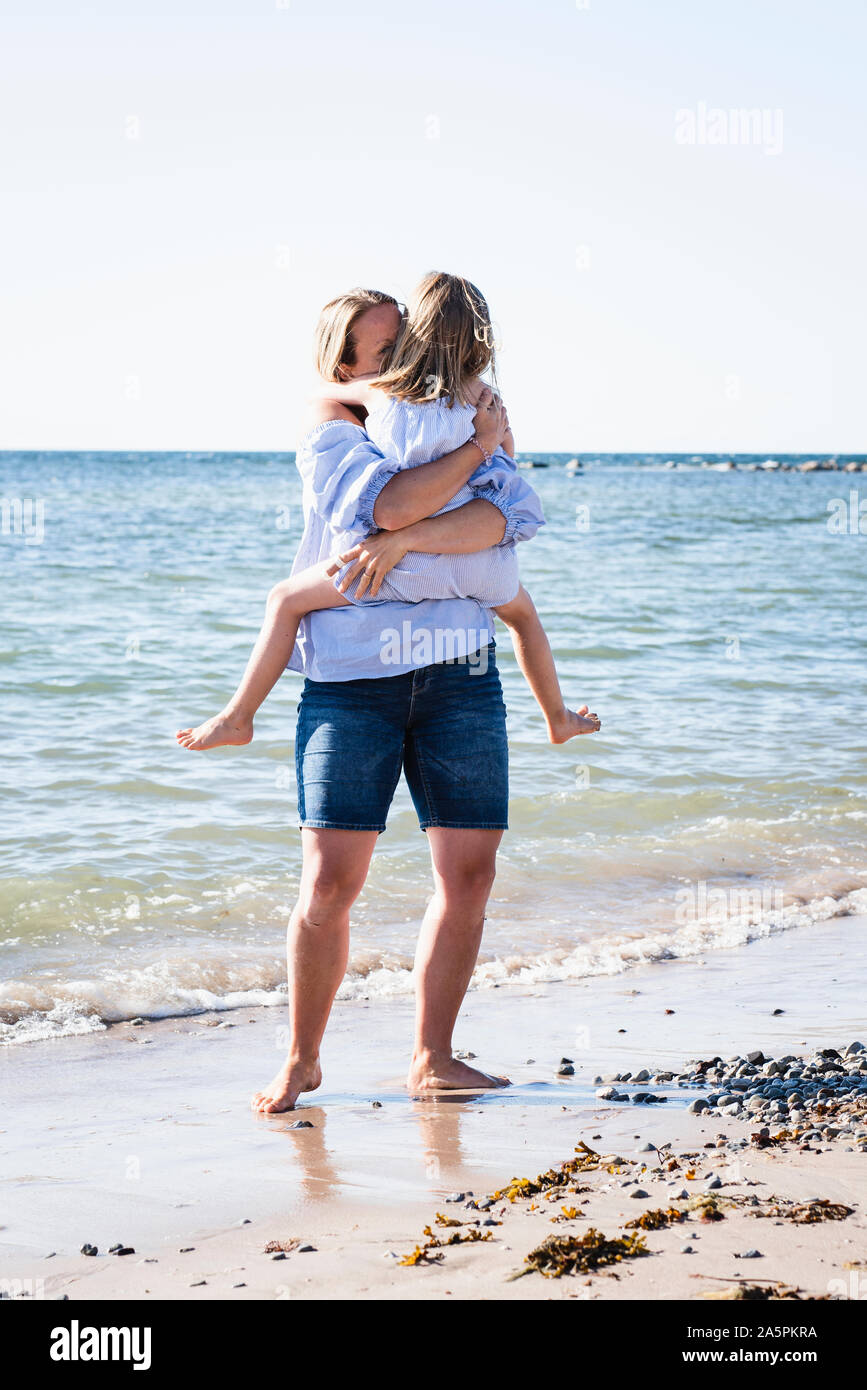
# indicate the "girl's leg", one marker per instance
pixel 533 654
pixel 287 604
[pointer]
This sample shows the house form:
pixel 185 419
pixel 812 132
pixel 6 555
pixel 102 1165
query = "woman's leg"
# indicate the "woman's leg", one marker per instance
pixel 317 949
pixel 533 655
pixel 463 868
pixel 287 604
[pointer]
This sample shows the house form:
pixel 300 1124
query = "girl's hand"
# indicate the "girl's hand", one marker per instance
pixel 373 558
pixel 490 421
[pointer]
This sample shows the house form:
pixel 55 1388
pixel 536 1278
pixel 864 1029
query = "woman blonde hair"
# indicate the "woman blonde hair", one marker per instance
pixel 333 343
pixel 445 340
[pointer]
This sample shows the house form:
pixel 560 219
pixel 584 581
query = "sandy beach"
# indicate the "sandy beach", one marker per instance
pixel 142 1136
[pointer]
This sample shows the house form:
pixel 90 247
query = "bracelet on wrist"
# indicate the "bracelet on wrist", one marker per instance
pixel 473 439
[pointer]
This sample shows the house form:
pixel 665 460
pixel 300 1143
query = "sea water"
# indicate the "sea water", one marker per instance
pixel 714 617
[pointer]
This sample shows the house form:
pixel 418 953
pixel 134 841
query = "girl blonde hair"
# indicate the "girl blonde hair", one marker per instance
pixel 333 343
pixel 445 340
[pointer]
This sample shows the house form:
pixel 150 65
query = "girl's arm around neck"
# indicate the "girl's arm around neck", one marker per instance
pixel 358 391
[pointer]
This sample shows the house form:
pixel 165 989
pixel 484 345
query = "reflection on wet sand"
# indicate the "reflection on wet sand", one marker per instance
pixel 309 1156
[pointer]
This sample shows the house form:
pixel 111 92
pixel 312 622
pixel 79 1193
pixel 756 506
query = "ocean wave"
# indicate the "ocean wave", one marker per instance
pixel 184 984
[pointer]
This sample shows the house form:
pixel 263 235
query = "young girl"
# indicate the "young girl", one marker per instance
pixel 419 409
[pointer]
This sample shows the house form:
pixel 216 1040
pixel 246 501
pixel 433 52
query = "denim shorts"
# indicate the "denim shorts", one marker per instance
pixel 444 724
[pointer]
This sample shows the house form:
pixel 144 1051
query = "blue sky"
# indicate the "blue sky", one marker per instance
pixel 185 184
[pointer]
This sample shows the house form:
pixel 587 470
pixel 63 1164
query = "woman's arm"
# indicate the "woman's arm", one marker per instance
pixel 416 493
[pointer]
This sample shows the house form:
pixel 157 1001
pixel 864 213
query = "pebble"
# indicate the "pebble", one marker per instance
pixel 687 1250
pixel 566 1070
pixel 376 1104
pixel 750 1255
pixel 239 1286
pixel 89 1249
pixel 279 1255
pixel 302 1124
pixel 305 1249
pixel 185 1249
pixel 822 1095
pixel 456 1197
pixel 198 1283
pixel 566 1061
pixel 713 1182
pixel 639 1192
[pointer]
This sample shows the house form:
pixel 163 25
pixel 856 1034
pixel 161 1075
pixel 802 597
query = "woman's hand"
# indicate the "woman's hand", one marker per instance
pixel 373 558
pixel 490 421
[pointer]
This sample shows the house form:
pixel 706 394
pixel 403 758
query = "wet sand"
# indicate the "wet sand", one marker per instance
pixel 143 1135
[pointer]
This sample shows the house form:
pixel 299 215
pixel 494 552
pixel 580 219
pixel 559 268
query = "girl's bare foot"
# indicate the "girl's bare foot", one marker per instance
pixel 223 729
pixel 282 1093
pixel 571 722
pixel 442 1072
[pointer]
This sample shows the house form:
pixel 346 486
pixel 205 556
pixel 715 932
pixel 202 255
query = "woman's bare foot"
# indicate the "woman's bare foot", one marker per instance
pixel 441 1072
pixel 282 1093
pixel 571 722
pixel 223 729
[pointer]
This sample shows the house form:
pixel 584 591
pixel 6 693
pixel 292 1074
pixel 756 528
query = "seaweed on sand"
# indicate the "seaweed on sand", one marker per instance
pixel 568 1214
pixel 819 1209
pixel 771 1141
pixel 656 1220
pixel 760 1293
pixel 587 1160
pixel 424 1254
pixel 559 1255
pixel 707 1207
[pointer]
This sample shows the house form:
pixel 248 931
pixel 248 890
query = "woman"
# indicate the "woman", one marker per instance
pixel 443 721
